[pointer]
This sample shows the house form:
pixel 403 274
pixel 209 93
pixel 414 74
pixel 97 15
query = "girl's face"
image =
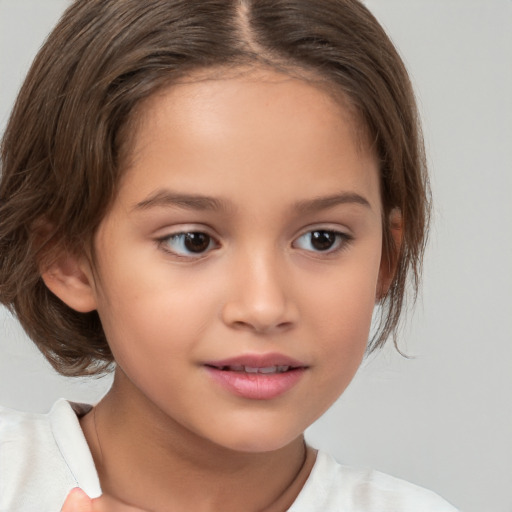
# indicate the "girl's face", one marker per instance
pixel 239 265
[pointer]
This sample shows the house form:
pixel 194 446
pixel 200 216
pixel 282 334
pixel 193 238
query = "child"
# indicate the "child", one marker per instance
pixel 210 198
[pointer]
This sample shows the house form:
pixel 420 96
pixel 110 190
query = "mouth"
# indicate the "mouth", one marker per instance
pixel 257 377
pixel 266 370
pixel 268 364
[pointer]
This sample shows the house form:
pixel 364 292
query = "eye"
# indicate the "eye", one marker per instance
pixel 322 240
pixel 192 243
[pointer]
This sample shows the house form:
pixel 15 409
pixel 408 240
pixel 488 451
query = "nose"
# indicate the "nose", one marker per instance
pixel 260 297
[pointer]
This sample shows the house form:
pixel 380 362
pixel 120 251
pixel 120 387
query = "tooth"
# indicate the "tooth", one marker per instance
pixel 269 369
pixel 237 368
pixel 250 369
pixel 282 369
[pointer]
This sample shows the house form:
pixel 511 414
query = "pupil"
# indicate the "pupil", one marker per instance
pixel 322 240
pixel 197 242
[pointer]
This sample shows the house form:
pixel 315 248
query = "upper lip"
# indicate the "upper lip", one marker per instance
pixel 257 361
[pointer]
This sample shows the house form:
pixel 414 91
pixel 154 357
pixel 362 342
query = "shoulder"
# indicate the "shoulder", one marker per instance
pixel 42 457
pixel 333 487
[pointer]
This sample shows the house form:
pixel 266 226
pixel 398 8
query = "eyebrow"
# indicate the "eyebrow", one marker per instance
pixel 324 203
pixel 167 198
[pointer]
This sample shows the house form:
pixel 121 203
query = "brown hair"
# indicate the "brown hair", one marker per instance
pixel 62 146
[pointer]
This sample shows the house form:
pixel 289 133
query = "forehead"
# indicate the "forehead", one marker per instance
pixel 209 132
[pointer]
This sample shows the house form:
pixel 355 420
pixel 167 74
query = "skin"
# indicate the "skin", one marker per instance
pixel 268 146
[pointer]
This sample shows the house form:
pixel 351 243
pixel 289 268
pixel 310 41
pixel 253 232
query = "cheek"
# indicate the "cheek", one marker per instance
pixel 343 329
pixel 342 315
pixel 342 301
pixel 149 311
pixel 340 343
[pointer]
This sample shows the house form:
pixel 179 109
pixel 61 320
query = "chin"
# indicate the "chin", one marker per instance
pixel 260 440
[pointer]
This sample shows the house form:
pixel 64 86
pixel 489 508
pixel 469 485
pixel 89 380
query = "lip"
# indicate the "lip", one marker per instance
pixel 254 385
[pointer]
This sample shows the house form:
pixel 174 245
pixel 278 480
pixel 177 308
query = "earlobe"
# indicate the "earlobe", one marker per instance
pixel 390 253
pixel 69 278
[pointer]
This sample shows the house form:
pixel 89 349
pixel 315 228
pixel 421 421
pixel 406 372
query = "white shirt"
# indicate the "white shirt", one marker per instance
pixel 44 456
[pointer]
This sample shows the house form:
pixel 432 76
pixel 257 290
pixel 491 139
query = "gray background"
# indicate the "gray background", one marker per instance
pixel 444 418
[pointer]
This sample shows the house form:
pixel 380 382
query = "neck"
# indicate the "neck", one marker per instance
pixel 148 460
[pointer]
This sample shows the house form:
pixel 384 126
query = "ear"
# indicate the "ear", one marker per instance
pixel 389 260
pixel 70 278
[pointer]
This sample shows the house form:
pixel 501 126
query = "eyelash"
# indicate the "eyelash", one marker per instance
pixel 164 243
pixel 341 241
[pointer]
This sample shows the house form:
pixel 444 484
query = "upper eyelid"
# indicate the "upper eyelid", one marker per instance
pixel 337 232
pixel 344 231
pixel 346 239
pixel 169 236
pixel 184 228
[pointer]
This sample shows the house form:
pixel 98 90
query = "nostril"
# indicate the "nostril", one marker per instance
pixel 241 325
pixel 261 327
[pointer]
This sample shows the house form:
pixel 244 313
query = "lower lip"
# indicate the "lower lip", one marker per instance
pixel 257 386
